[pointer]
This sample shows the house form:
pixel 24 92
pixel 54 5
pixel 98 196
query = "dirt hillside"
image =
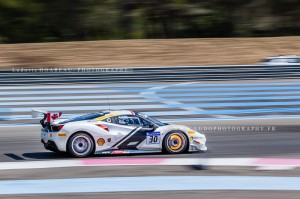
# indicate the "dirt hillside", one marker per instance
pixel 169 52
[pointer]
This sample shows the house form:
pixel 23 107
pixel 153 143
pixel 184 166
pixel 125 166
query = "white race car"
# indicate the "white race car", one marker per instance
pixel 116 132
pixel 281 60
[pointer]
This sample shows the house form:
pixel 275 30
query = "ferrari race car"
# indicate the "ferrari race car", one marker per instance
pixel 115 132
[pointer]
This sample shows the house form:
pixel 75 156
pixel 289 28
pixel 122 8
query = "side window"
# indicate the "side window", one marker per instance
pixel 129 120
pixel 145 123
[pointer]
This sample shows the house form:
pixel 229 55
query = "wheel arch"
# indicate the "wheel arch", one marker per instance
pixel 89 134
pixel 172 131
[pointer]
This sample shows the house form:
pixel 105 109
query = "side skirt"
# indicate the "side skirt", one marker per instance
pixel 118 151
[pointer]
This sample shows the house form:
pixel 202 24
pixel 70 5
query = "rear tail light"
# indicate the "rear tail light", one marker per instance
pixel 102 126
pixel 57 128
pixel 60 126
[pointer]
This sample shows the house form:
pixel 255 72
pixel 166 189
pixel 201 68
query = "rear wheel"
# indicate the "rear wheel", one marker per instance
pixel 175 142
pixel 81 145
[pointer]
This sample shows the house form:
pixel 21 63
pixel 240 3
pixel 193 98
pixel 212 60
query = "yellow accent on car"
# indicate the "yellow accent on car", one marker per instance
pixel 191 132
pixel 62 134
pixel 104 117
pixel 114 113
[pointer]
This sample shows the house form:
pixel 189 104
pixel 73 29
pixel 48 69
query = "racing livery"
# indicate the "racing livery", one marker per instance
pixel 116 132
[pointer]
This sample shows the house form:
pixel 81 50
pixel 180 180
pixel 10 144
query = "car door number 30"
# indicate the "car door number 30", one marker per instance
pixel 153 137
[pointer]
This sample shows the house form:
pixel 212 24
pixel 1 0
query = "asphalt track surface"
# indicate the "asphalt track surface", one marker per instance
pixel 20 143
pixel 280 138
pixel 171 194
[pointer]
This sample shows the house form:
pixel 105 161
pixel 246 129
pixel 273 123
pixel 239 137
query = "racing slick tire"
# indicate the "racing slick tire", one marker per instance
pixel 81 145
pixel 175 142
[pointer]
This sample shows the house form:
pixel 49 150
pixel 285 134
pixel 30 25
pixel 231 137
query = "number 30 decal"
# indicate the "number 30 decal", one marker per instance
pixel 153 138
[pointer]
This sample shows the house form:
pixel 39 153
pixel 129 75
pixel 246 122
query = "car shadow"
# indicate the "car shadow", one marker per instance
pixel 45 155
pixel 53 155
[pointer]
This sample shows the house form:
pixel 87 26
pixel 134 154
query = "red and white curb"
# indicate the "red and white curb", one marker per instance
pixel 258 163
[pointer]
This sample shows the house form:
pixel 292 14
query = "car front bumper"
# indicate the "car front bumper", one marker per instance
pixel 198 144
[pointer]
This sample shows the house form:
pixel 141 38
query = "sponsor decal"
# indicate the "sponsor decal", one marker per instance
pixel 197 141
pixel 153 138
pixel 126 152
pixel 100 142
pixel 118 152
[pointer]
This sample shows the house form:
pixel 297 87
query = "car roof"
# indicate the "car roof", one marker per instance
pixel 99 115
pixel 119 112
pixel 109 113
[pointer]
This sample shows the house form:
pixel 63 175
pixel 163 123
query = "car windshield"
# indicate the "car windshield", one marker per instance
pixel 83 117
pixel 266 60
pixel 155 121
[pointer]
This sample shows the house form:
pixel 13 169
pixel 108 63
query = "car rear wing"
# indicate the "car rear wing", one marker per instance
pixel 48 116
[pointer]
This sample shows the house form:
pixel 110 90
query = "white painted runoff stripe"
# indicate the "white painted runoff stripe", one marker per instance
pixel 261 88
pixel 235 94
pixel 180 113
pixel 57 92
pixel 20 103
pixel 158 113
pixel 288 163
pixel 148 183
pixel 92 99
pixel 153 105
pixel 174 120
pixel 95 162
pixel 76 102
pixel 124 85
pixel 89 162
pixel 231 118
pixel 78 97
pixel 39 164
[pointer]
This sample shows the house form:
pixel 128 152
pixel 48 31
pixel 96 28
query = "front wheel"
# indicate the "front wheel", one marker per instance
pixel 175 142
pixel 81 145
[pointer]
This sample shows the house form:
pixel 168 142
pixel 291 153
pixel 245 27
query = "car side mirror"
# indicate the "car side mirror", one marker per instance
pixel 150 127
